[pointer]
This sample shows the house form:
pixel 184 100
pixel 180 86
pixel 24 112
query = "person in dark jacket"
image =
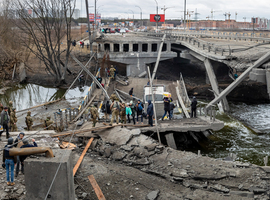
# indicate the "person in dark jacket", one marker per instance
pixel 107 110
pixel 99 79
pixel 9 162
pixel 130 92
pixel 139 110
pixel 172 106
pixel 166 107
pixel 18 143
pixel 193 107
pixel 5 120
pixel 150 113
pixel 27 145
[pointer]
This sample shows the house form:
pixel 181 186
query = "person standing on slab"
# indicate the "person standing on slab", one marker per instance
pixel 166 107
pixel 193 107
pixel 115 107
pixel 29 121
pixel 18 143
pixel 13 120
pixel 94 114
pixel 150 113
pixel 9 162
pixel 5 120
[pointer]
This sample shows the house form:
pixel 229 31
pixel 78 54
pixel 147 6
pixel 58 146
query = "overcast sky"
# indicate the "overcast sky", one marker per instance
pixel 121 8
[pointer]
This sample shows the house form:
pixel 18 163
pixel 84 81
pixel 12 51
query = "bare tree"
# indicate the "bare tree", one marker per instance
pixel 45 27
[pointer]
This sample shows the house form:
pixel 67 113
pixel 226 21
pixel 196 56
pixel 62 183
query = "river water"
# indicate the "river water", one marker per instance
pixel 27 95
pixel 236 138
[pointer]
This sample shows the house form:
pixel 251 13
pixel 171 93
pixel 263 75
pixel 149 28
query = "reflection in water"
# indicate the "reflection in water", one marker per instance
pixel 27 95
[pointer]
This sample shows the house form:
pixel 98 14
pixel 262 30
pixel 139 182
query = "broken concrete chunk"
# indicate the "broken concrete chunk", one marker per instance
pixel 118 155
pixel 127 148
pixel 107 152
pixel 220 188
pixel 151 147
pixel 152 195
pixel 180 173
pixel 243 165
pixel 242 194
pixel 135 132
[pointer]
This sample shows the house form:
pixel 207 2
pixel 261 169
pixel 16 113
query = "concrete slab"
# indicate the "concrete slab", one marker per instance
pixel 39 174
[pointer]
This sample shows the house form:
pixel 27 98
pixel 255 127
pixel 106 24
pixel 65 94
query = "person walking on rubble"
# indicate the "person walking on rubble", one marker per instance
pixel 115 107
pixel 18 143
pixel 150 113
pixel 172 106
pixel 166 107
pixel 9 162
pixel 5 120
pixel 94 114
pixel 112 72
pixel 123 115
pixel 130 92
pixel 29 121
pixel 193 107
pixel 13 120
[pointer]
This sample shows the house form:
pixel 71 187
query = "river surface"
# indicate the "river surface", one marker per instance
pixel 236 138
pixel 27 95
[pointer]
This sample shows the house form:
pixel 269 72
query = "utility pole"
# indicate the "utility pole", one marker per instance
pixel 236 16
pixel 253 20
pixel 244 21
pixel 88 23
pixel 141 15
pixel 157 14
pixel 95 15
pixel 185 4
pixel 196 17
pixel 225 14
pixel 164 9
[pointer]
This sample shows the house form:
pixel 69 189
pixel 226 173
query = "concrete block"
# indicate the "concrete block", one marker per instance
pixel 258 75
pixel 39 174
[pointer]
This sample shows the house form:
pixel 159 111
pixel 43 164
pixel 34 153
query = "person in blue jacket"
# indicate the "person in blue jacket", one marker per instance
pixel 26 145
pixel 150 113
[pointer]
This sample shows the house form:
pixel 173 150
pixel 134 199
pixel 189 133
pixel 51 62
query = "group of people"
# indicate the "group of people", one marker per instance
pixel 123 112
pixel 10 161
pixel 9 119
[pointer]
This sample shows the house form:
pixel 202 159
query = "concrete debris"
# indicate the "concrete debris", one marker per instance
pixel 242 194
pixel 118 156
pixel 151 147
pixel 219 188
pixel 153 195
pixel 180 173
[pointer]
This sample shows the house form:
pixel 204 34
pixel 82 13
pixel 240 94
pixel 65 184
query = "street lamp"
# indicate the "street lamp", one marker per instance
pixel 133 16
pixel 157 14
pixel 141 15
pixel 185 4
pixel 164 9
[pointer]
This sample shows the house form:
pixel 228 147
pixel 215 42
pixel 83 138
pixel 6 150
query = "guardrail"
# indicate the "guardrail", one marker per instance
pixel 188 39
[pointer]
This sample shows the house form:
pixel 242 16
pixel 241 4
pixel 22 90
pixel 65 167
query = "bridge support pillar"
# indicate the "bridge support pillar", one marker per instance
pixel 223 105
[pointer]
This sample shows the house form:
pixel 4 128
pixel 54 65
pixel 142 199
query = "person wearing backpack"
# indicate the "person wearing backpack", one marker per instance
pixel 133 111
pixel 9 162
pixel 5 120
pixel 139 109
pixel 115 107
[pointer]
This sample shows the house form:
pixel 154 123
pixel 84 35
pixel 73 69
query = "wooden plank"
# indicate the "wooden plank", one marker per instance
pixel 182 103
pixel 81 157
pixel 97 189
pixel 170 140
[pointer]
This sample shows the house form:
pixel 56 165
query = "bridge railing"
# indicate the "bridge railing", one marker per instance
pixel 193 40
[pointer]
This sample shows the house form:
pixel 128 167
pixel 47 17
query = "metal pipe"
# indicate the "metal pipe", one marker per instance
pixel 30 151
pixel 88 23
